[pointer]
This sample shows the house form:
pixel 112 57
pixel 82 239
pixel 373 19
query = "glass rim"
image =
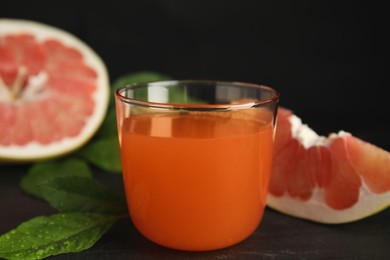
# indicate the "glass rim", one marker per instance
pixel 273 99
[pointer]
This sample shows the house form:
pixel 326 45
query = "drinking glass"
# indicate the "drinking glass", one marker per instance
pixel 196 159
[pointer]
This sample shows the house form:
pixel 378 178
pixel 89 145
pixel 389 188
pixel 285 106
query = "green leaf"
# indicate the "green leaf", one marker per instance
pixel 178 95
pixel 61 233
pixel 70 194
pixel 109 125
pixel 136 77
pixel 42 171
pixel 104 153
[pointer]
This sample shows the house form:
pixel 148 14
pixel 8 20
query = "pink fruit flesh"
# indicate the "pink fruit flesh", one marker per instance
pixel 63 102
pixel 338 167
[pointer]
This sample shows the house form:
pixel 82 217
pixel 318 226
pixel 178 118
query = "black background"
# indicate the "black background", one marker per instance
pixel 329 59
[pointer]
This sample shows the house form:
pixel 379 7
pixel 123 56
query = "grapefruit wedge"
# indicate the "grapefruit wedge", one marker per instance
pixel 335 179
pixel 54 91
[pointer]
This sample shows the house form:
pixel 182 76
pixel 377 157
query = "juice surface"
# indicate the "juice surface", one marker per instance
pixel 196 181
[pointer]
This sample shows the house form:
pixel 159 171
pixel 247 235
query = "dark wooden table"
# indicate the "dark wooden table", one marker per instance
pixel 278 237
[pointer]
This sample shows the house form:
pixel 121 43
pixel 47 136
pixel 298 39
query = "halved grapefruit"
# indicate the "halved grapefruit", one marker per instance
pixel 54 91
pixel 334 179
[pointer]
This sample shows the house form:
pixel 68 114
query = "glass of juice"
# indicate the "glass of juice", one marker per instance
pixel 196 159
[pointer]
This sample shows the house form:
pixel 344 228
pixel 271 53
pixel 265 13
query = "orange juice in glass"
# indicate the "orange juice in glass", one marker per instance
pixel 196 159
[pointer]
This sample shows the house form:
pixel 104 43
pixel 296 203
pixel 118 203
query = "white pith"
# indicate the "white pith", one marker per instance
pixel 35 150
pixel 308 137
pixel 33 90
pixel 315 208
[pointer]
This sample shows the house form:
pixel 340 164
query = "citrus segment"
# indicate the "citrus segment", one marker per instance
pixel 372 163
pixel 54 91
pixel 343 189
pixel 333 179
